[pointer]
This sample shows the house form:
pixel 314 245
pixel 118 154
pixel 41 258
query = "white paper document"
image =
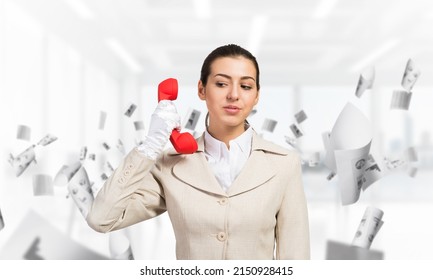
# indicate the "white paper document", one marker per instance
pixel 347 151
pixel 65 174
pixel 314 159
pixel 130 110
pixel 296 130
pixel 23 160
pixel 368 228
pixel 292 142
pixel 81 191
pixel 408 157
pixel 191 119
pixel 42 185
pixel 2 222
pixel 341 251
pixel 410 76
pixel 47 139
pixel 102 118
pixel 83 153
pixel 106 146
pixel 121 147
pixel 23 132
pixel 300 116
pixel 366 80
pixel 269 125
pixel 139 125
pixel 400 99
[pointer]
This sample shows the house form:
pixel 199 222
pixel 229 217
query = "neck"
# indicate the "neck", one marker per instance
pixel 225 134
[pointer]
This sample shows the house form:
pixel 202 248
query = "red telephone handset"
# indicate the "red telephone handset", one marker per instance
pixel 183 143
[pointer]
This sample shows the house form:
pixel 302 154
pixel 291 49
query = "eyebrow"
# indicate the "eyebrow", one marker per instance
pixel 229 77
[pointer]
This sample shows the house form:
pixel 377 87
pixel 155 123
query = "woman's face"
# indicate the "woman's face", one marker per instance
pixel 231 92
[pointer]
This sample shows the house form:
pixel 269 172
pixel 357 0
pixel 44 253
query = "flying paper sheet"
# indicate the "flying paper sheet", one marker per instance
pixel 292 142
pixel 340 251
pixel 400 99
pixel 130 110
pixel 366 80
pixel 373 172
pixel 368 228
pixel 330 176
pixel 66 173
pixel 139 125
pixel 269 125
pixel 411 74
pixel 83 153
pixel 23 132
pixel 102 118
pixel 23 160
pixel 296 130
pixel 42 185
pixel 191 119
pixel 2 222
pixel 398 164
pixel 348 150
pixel 314 159
pixel 120 147
pixel 81 191
pixel 48 139
pixel 300 116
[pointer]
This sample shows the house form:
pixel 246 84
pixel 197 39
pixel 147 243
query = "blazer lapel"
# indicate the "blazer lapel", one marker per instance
pixel 258 168
pixel 256 172
pixel 195 171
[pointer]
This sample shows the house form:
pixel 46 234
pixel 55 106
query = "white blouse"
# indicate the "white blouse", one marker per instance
pixel 226 163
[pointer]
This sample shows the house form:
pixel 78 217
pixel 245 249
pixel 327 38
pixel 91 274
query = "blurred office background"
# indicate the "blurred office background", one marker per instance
pixel 62 62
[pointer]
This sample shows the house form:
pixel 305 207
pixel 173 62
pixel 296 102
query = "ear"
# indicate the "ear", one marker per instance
pixel 201 90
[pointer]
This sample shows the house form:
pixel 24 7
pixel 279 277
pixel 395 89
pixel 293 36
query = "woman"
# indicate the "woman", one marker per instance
pixel 237 197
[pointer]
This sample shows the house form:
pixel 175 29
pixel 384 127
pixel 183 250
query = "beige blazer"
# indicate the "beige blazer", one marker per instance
pixel 263 215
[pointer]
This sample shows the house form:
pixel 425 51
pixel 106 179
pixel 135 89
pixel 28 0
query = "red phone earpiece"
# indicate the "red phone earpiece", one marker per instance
pixel 183 143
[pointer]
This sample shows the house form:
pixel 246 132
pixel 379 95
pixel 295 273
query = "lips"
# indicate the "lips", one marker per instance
pixel 231 109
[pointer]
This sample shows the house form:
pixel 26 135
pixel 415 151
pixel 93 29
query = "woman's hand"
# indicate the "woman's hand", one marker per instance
pixel 164 119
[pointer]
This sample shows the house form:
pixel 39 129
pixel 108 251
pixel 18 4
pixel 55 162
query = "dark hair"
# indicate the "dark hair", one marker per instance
pixel 230 50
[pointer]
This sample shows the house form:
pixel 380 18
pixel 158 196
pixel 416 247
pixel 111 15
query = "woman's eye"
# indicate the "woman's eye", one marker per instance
pixel 220 84
pixel 246 87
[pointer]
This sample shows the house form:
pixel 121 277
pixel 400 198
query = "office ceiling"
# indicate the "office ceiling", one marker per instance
pixel 297 42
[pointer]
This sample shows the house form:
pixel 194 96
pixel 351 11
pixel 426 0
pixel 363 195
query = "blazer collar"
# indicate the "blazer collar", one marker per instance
pixel 195 171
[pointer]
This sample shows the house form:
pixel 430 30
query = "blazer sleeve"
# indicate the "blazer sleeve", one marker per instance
pixel 292 230
pixel 130 195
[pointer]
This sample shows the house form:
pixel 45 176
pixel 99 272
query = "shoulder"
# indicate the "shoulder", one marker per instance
pixel 269 147
pixel 278 156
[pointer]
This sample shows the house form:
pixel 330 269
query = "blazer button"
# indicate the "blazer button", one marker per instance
pixel 130 166
pixel 223 201
pixel 126 172
pixel 222 236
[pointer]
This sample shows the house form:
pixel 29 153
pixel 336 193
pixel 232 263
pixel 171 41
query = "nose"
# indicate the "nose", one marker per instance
pixel 233 94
